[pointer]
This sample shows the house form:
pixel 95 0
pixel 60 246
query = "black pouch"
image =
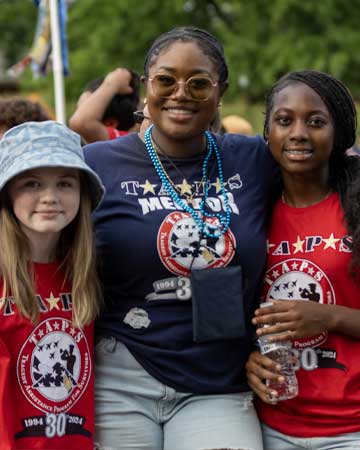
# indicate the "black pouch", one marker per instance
pixel 217 304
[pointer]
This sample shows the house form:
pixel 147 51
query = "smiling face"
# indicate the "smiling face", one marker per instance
pixel 45 201
pixel 300 131
pixel 180 117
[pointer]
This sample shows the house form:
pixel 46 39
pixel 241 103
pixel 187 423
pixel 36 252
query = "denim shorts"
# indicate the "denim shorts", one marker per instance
pixel 274 440
pixel 135 411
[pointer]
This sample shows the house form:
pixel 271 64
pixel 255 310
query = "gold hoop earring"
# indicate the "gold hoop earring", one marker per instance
pixel 219 104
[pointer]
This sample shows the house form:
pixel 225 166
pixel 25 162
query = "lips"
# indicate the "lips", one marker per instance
pixel 48 211
pixel 298 154
pixel 180 111
pixel 299 151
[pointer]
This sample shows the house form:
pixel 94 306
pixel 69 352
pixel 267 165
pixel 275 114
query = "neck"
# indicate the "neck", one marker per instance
pixel 301 193
pixel 43 248
pixel 179 148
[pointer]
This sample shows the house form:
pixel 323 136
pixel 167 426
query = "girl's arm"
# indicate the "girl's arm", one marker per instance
pixel 299 318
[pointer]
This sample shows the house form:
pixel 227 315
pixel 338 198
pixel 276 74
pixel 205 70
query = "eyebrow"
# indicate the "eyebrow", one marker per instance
pixel 69 175
pixel 195 71
pixel 315 111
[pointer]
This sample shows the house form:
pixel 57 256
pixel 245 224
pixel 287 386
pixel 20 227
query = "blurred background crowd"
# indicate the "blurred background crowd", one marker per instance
pixel 262 41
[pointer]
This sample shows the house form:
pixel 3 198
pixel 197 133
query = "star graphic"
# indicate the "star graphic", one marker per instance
pixel 268 246
pixel 56 325
pixel 310 271
pixel 41 333
pixel 217 185
pixel 298 245
pixel 53 301
pixel 275 274
pixel 330 242
pixel 185 187
pixel 294 266
pixel 148 187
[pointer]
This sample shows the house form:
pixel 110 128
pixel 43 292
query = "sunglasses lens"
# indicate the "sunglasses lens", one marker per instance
pixel 164 85
pixel 200 88
pixel 138 116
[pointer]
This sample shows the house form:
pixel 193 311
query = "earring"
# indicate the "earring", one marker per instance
pixel 145 101
pixel 219 104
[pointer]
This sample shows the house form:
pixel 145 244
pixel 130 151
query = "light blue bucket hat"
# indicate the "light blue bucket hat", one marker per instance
pixel 32 145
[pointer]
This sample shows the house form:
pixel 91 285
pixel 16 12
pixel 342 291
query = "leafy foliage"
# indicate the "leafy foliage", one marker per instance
pixel 17 25
pixel 262 39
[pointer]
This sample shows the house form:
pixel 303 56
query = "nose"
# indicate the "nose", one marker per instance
pixel 49 196
pixel 180 90
pixel 299 131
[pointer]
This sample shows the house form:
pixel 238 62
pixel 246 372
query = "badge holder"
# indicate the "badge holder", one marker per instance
pixel 217 303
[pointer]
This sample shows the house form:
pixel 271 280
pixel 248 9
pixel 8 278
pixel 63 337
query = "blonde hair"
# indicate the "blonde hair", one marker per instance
pixel 76 249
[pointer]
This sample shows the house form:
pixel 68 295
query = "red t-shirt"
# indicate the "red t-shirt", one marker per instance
pixel 46 372
pixel 309 260
pixel 115 133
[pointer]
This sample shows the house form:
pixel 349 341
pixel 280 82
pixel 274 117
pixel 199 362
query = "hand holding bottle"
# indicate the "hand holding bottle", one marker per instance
pixel 293 319
pixel 280 351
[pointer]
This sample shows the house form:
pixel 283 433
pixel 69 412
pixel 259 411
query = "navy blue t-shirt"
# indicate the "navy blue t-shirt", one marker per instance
pixel 146 242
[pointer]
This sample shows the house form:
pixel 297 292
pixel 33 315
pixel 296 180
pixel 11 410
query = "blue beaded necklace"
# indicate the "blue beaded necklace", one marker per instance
pixel 208 229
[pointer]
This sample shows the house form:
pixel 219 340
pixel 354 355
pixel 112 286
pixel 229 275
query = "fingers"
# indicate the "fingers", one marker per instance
pixel 274 318
pixel 279 331
pixel 259 367
pixel 121 79
pixel 261 390
pixel 273 307
pixel 262 366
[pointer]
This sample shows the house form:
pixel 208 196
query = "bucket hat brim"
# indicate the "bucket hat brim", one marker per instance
pixel 35 145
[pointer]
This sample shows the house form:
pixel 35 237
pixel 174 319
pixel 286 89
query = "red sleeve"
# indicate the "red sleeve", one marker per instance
pixel 115 133
pixel 6 401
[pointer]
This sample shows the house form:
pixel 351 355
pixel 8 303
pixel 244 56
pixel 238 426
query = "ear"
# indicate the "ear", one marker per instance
pixel 266 135
pixel 222 88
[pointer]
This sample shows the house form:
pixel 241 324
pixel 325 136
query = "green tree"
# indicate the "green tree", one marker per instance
pixel 262 39
pixel 272 38
pixel 17 24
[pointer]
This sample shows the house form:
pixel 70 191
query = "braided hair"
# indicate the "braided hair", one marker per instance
pixel 208 43
pixel 344 170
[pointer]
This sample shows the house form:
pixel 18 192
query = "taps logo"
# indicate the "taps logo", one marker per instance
pixel 54 366
pixel 181 246
pixel 298 279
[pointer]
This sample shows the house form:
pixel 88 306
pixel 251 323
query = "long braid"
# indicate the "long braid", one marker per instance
pixel 344 170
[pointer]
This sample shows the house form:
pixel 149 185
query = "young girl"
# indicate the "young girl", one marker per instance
pixel 50 292
pixel 312 274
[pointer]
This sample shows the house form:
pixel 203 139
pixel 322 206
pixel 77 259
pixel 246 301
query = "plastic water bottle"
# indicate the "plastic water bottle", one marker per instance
pixel 281 353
